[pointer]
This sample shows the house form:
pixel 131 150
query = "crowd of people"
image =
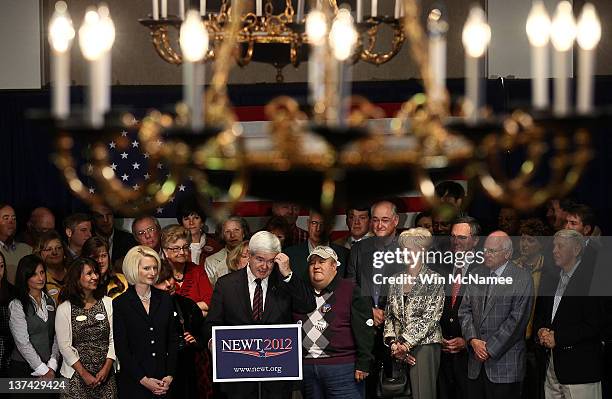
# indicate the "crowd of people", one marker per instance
pixel 131 315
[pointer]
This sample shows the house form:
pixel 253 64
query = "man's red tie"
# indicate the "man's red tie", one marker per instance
pixel 258 301
pixel 456 287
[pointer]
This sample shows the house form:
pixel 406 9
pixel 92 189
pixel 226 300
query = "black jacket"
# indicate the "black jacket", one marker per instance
pixel 577 326
pixel 231 303
pixel 363 267
pixel 146 344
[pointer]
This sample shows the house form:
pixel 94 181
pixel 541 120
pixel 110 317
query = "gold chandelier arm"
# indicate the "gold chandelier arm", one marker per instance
pixel 218 110
pixel 369 54
pixel 161 43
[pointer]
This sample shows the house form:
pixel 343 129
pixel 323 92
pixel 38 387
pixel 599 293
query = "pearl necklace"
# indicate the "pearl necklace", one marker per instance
pixel 146 297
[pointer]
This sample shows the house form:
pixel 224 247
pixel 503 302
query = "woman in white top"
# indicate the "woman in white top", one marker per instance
pixel 84 333
pixel 32 323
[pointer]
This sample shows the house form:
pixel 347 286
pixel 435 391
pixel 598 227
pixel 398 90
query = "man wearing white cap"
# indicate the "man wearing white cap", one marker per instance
pixel 338 336
pixel 264 292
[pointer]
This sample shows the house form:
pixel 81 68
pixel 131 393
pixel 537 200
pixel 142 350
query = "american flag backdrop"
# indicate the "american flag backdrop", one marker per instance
pixel 131 164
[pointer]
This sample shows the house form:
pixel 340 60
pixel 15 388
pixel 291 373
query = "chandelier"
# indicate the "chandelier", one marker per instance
pixel 329 153
pixel 274 35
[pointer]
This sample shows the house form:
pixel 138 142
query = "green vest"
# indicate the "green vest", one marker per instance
pixel 41 333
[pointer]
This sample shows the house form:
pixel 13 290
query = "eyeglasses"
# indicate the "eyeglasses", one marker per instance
pixel 184 248
pixel 54 249
pixel 148 230
pixel 461 238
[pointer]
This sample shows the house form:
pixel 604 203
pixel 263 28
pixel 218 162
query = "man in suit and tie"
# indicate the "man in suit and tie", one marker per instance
pixel 264 292
pixel 493 320
pixel 452 377
pixel 299 253
pixel 119 242
pixel 358 223
pixel 569 323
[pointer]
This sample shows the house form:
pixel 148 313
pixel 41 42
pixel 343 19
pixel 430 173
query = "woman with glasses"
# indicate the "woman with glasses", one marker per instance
pixel 414 308
pixel 191 279
pixel 51 250
pixel 96 248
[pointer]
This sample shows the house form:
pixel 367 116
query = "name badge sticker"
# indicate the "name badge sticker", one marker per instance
pixel 81 318
pixel 50 308
pixel 100 317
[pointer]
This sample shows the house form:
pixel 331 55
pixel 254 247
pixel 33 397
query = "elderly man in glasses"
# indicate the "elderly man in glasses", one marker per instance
pixel 264 292
pixel 494 316
pixel 147 232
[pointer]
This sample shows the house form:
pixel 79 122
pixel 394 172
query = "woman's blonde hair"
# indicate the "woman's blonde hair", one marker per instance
pixel 132 261
pixel 172 233
pixel 233 256
pixel 416 236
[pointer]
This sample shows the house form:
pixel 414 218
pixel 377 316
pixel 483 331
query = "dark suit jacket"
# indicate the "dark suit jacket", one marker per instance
pixel 298 253
pixel 122 242
pixel 500 321
pixel 146 344
pixel 449 322
pixel 362 268
pixel 577 326
pixel 231 306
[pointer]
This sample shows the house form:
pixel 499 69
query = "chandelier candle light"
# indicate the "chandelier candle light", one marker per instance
pixel 96 38
pixel 61 35
pixel 194 45
pixel 437 27
pixel 316 29
pixel 563 34
pixel 538 32
pixel 476 37
pixel 342 40
pixel 588 36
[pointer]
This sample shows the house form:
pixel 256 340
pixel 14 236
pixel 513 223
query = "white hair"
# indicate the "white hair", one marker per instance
pixel 264 241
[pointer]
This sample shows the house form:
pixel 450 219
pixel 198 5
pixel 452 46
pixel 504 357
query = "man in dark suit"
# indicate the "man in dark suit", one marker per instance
pixel 452 377
pixel 264 292
pixel 358 223
pixel 568 323
pixel 299 253
pixel 366 266
pixel 119 241
pixel 493 320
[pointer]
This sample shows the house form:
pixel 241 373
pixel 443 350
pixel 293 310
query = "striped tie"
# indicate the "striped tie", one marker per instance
pixel 456 287
pixel 258 301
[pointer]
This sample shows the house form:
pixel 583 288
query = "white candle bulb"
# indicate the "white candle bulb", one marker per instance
pixel 437 27
pixel 538 32
pixel 300 11
pixel 155 11
pixel 202 7
pixel 476 37
pixel 476 33
pixel 359 13
pixel 181 4
pixel 588 32
pixel 194 45
pixel 96 38
pixel 258 8
pixel 316 27
pixel 61 35
pixel 562 36
pixel 343 36
pixel 563 28
pixel 316 31
pixel 374 11
pixel 164 9
pixel 588 36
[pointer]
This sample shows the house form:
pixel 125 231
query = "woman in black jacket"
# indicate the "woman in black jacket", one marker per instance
pixel 145 335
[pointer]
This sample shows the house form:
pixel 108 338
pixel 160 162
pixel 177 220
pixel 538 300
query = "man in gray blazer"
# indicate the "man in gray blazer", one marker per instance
pixel 493 321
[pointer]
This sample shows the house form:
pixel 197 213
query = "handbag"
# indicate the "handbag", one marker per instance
pixel 393 381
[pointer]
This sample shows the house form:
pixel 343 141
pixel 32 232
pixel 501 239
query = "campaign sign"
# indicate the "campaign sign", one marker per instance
pixel 257 353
